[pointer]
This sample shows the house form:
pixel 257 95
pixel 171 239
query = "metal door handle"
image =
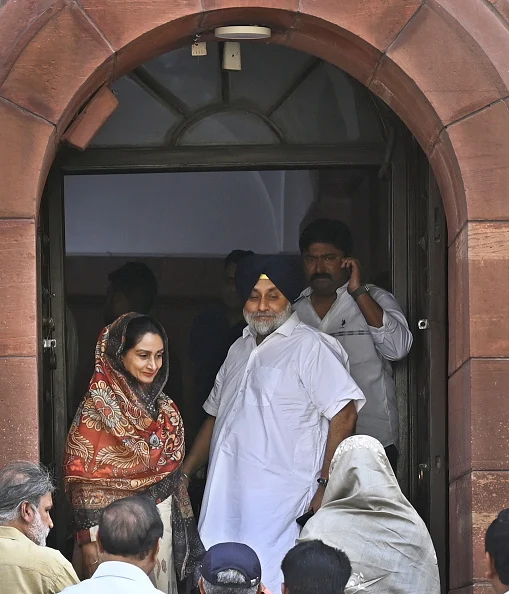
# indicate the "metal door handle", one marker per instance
pixel 423 468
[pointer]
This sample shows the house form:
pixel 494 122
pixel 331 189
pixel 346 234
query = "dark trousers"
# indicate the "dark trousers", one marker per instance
pixel 392 453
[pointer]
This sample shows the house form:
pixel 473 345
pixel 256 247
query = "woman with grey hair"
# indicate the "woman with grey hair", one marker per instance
pixel 365 514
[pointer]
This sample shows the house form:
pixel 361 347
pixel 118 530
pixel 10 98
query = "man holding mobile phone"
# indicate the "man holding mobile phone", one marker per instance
pixel 367 321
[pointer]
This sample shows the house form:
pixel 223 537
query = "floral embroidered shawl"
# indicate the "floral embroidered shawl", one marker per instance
pixel 116 447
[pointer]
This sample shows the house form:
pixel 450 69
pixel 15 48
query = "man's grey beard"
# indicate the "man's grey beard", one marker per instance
pixel 265 323
pixel 38 532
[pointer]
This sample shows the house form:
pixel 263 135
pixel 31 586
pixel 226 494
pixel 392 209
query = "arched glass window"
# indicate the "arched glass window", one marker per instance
pixel 280 97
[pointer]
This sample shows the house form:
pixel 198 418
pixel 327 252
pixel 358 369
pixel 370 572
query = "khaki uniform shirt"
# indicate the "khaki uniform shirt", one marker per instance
pixel 26 568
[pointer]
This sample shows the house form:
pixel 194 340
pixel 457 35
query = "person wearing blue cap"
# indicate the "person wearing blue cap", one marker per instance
pixel 282 402
pixel 231 567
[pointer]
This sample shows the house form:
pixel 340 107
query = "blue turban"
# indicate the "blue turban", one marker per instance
pixel 284 271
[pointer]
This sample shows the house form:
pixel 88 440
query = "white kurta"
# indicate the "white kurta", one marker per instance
pixel 370 351
pixel 272 404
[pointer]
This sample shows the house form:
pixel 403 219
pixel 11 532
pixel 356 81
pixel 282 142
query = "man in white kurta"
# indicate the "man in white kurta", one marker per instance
pixel 272 405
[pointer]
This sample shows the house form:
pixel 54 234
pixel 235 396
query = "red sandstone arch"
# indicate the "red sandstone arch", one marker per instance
pixel 440 64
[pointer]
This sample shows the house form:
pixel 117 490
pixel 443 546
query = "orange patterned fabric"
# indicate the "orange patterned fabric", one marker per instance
pixel 113 440
pixel 128 440
pixel 115 447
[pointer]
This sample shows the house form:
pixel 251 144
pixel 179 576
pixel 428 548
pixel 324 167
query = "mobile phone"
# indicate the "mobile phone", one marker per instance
pixel 301 521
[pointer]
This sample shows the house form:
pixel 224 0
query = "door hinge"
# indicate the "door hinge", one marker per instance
pixel 49 343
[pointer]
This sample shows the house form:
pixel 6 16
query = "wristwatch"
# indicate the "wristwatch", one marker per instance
pixel 358 292
pixel 323 482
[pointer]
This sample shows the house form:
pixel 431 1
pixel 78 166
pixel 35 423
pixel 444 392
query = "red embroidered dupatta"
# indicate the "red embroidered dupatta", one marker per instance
pixel 116 448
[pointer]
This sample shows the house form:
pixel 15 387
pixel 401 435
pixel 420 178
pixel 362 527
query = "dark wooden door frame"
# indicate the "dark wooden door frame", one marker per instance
pixel 402 192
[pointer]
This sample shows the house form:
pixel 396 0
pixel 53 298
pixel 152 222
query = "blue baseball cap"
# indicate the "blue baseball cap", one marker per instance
pixel 231 555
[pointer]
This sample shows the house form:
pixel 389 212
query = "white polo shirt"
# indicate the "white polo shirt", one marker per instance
pixel 370 351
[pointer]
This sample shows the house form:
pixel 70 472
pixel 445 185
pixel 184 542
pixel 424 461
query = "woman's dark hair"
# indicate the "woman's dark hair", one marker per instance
pixel 136 330
pixel 313 567
pixel 327 231
pixel 497 545
pixel 130 527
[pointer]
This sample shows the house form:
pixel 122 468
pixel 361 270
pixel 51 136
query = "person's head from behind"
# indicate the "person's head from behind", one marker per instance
pixel 230 568
pixel 129 531
pixel 26 499
pixel 313 567
pixel 229 293
pixel 143 351
pixel 132 287
pixel 497 552
pixel 324 244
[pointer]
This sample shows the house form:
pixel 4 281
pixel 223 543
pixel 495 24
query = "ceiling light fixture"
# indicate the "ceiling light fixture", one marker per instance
pixel 239 32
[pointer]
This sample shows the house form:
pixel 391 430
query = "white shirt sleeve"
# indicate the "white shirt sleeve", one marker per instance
pixel 211 405
pixel 328 383
pixel 393 339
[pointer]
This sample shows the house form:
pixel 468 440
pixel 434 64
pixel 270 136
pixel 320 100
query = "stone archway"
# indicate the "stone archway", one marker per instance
pixel 440 64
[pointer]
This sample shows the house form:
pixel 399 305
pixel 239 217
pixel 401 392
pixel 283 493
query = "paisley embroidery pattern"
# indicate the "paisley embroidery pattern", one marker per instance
pixel 124 441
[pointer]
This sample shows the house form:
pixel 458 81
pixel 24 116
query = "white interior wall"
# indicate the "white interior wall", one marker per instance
pixel 186 214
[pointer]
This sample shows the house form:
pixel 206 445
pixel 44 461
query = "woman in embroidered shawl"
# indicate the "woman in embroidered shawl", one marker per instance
pixel 127 438
pixel 365 514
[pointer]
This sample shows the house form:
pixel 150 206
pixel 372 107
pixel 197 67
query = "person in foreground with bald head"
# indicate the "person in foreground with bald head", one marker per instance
pixel 282 402
pixel 130 530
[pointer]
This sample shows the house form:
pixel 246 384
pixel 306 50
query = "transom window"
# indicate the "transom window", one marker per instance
pixel 280 97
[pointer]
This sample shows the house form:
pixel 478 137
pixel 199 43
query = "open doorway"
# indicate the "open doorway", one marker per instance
pixel 198 161
pixel 187 224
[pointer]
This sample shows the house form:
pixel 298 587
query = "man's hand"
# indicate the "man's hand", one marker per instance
pixel 316 502
pixel 354 267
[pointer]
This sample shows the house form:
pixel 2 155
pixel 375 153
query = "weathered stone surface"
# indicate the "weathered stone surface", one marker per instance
pixel 27 149
pixel 18 299
pixel 60 68
pixel 19 428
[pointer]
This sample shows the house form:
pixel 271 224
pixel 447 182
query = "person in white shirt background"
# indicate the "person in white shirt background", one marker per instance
pixel 282 402
pixel 367 321
pixel 128 539
pixel 497 553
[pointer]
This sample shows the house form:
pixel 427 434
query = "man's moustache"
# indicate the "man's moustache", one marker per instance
pixel 318 276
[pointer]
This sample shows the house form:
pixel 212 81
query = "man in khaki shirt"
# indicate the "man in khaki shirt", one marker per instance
pixel 27 566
